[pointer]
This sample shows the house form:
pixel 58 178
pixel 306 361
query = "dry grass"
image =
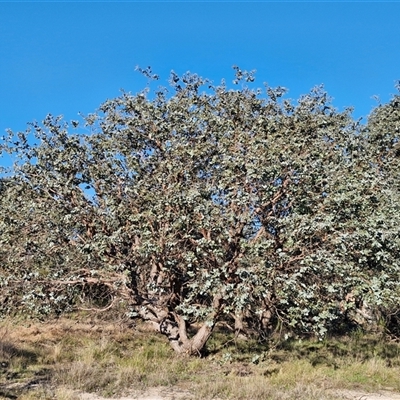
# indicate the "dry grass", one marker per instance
pixel 54 360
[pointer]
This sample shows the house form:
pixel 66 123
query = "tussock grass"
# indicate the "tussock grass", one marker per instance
pixel 55 360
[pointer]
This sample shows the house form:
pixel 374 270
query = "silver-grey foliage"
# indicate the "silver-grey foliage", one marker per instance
pixel 201 204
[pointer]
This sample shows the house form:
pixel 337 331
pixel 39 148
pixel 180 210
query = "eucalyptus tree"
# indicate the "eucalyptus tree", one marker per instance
pixel 201 204
pixel 379 241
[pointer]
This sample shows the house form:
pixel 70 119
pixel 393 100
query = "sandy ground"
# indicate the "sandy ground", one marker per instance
pixel 381 395
pixel 169 394
pixel 151 394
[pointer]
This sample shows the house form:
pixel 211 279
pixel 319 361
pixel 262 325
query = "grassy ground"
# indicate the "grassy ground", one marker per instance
pixel 53 360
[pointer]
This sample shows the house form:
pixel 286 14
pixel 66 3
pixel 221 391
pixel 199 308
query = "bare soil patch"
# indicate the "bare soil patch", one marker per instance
pixel 160 393
pixel 364 395
pixel 176 394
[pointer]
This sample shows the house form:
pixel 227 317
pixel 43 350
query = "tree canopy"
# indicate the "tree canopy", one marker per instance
pixel 200 204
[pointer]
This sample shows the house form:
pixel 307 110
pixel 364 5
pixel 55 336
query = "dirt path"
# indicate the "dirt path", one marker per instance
pixel 171 394
pixel 150 394
pixel 381 395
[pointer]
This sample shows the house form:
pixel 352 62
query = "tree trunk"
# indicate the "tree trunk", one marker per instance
pixel 176 331
pixel 175 328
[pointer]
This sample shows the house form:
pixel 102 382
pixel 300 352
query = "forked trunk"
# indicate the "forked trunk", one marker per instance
pixel 175 328
pixel 176 332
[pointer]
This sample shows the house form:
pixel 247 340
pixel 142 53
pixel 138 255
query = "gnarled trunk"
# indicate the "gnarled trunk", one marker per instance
pixel 175 328
pixel 176 331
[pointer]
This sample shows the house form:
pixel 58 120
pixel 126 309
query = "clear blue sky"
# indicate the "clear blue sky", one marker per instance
pixel 65 58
